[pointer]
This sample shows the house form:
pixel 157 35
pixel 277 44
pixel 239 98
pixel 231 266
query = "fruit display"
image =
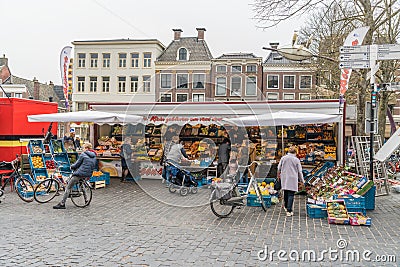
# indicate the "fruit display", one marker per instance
pixel 72 158
pixel 97 173
pixel 337 212
pixel 37 150
pixel 57 146
pixel 50 164
pixel 37 162
pixel 40 178
pixel 336 181
pixel 357 218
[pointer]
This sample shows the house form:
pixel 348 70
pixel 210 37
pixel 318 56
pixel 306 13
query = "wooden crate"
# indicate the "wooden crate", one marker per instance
pixel 99 184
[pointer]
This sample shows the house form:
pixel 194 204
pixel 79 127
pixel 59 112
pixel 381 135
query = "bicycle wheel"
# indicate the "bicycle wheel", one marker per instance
pixel 81 194
pixel 220 209
pixel 46 190
pixel 260 197
pixel 24 189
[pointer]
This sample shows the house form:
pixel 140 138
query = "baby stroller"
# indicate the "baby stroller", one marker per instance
pixel 181 179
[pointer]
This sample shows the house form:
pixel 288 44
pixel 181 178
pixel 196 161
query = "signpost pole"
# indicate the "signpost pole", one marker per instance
pixel 373 57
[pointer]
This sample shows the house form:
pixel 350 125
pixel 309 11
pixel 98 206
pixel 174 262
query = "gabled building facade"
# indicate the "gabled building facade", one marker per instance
pixel 114 71
pixel 237 77
pixel 183 69
pixel 285 79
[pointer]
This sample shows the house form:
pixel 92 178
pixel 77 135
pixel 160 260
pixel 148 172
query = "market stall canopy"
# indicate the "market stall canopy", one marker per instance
pixel 284 118
pixel 98 117
pixel 207 113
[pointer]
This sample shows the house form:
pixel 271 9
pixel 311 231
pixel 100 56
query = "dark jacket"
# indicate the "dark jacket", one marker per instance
pixel 224 152
pixel 85 165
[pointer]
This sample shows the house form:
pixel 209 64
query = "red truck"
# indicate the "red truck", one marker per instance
pixel 15 129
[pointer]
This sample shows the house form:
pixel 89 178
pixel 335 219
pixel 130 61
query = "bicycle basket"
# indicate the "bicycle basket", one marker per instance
pixel 222 191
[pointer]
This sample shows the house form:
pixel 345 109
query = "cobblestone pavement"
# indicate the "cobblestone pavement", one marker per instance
pixel 131 225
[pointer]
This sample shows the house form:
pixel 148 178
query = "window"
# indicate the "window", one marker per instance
pixel 134 84
pixel 251 68
pixel 146 83
pixel 272 96
pixel 106 60
pixel 288 82
pixel 82 106
pixel 93 60
pixel 305 82
pixel 288 96
pixel 93 84
pixel 134 60
pixel 81 60
pixel 122 60
pixel 81 84
pixel 181 97
pixel 198 97
pixel 166 80
pixel 121 84
pixel 272 81
pixel 221 86
pixel 182 81
pixel 236 68
pixel 251 86
pixel 106 84
pixel 166 98
pixel 236 86
pixel 18 95
pixel 198 81
pixel 305 96
pixel 146 60
pixel 221 68
pixel 182 54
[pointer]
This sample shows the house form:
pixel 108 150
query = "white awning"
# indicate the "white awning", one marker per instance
pixel 87 116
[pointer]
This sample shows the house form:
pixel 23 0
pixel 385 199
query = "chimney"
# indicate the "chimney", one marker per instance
pixel 177 34
pixel 36 88
pixel 4 61
pixel 200 33
pixel 274 45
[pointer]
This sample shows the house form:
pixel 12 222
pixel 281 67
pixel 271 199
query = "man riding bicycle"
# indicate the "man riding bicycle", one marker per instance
pixel 83 168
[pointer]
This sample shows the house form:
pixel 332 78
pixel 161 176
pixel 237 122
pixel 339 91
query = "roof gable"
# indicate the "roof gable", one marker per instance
pixel 197 49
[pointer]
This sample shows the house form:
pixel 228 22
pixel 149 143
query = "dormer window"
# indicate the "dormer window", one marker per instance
pixel 183 54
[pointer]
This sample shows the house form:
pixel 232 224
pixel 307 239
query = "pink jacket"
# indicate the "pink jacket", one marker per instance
pixel 290 171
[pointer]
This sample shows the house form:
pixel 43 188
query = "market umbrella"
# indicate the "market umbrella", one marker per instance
pixel 98 117
pixel 284 118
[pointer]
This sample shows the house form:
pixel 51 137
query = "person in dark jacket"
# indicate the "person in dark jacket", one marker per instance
pixel 224 151
pixel 83 168
pixel 126 158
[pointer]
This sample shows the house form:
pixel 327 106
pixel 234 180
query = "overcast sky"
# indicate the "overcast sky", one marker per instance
pixel 33 32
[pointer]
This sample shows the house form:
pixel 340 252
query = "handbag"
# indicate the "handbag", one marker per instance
pixel 278 185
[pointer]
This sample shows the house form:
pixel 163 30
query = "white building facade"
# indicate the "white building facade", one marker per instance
pixel 114 71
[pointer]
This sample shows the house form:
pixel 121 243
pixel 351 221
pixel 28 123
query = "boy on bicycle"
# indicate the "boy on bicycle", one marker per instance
pixel 83 168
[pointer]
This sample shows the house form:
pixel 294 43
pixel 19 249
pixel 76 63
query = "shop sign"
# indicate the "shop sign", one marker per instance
pixel 177 119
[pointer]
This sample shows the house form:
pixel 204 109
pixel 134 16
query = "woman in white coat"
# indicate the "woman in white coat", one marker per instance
pixel 290 173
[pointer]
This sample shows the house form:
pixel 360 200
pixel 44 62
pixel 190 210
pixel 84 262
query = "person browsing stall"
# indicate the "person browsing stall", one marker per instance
pixel 126 157
pixel 83 168
pixel 290 173
pixel 176 153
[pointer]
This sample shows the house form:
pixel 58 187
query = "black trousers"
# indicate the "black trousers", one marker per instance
pixel 221 168
pixel 288 197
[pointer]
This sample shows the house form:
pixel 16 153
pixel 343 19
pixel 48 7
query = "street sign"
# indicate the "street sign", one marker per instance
pixel 388 55
pixel 368 111
pixel 354 49
pixel 389 48
pixel 354 65
pixel 368 126
pixel 354 57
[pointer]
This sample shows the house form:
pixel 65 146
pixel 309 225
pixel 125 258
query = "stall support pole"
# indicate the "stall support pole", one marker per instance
pixel 283 147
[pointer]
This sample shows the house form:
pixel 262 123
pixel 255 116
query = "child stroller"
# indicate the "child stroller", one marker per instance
pixel 180 179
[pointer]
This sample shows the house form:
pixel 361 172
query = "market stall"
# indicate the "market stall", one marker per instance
pixel 199 121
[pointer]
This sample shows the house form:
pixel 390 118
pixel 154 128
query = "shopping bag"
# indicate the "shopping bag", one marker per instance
pixel 278 185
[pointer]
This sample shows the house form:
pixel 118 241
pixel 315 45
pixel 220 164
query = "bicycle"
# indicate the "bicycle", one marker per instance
pixel 226 196
pixel 22 185
pixel 48 189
